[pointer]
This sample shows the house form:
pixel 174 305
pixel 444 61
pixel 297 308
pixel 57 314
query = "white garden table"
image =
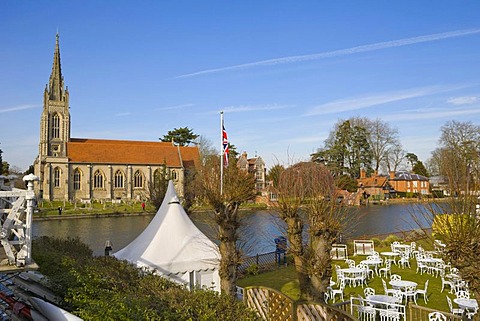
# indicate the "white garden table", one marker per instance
pixel 402 284
pixel 469 304
pixel 390 256
pixel 373 262
pixel 381 299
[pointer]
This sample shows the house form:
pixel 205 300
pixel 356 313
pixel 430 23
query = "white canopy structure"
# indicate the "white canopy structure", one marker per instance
pixel 175 248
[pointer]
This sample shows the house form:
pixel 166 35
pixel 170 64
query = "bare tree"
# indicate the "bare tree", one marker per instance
pixel 458 157
pixel 394 158
pixel 383 140
pixel 238 187
pixel 306 193
pixel 205 147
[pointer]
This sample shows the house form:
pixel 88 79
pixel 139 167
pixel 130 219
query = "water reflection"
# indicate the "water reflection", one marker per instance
pixel 257 235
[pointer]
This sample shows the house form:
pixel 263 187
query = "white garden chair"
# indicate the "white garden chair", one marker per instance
pixel 436 316
pixel 422 292
pixel 404 260
pixel 410 293
pixel 386 289
pixel 456 311
pixel 386 269
pixel 368 292
pixel 366 312
pixel 339 290
pixel 445 282
pixel 462 294
pixel 395 277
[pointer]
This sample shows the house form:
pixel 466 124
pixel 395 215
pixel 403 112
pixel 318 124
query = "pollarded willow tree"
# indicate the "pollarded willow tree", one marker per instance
pixel 238 188
pixel 306 194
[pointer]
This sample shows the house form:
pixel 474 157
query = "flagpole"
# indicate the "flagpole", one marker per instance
pixel 222 153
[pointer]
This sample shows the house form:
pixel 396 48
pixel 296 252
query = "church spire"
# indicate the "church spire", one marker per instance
pixel 56 89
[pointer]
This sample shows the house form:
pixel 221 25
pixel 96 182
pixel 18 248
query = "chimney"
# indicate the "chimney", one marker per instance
pixel 392 175
pixel 375 173
pixel 363 174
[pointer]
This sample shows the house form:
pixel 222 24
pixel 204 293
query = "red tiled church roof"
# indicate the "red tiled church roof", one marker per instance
pixel 86 150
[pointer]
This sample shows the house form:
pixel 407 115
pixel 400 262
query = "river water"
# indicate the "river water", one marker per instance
pixel 260 227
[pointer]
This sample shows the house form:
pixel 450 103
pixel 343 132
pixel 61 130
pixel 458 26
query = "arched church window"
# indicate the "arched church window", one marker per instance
pixel 118 182
pixel 77 176
pixel 98 180
pixel 56 126
pixel 174 175
pixel 56 177
pixel 138 180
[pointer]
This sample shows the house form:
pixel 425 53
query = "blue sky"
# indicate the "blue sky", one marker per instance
pixel 284 72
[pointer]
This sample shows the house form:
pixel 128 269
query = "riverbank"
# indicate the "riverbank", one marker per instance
pixel 88 215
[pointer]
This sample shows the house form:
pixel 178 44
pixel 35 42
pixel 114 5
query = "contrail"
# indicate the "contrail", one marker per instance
pixel 12 109
pixel 341 52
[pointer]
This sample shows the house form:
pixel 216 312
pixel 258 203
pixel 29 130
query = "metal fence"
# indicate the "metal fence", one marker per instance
pixel 262 261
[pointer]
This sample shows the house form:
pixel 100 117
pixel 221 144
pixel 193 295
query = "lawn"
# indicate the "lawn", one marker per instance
pixel 50 208
pixel 284 280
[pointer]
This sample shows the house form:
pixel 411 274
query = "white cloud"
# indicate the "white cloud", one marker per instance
pixel 465 100
pixel 341 52
pixel 242 109
pixel 418 114
pixel 175 107
pixel 375 99
pixel 18 108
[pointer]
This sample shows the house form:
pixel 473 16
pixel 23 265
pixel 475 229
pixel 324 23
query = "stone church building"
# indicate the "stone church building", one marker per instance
pixel 99 169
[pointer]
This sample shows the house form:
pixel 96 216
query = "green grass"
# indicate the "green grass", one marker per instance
pixel 50 208
pixel 283 279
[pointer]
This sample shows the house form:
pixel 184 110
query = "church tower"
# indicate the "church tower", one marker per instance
pixel 51 165
pixel 55 119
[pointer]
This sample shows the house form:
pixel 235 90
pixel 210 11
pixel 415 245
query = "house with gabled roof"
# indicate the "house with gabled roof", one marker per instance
pixel 255 166
pixel 403 181
pixel 375 187
pixel 99 169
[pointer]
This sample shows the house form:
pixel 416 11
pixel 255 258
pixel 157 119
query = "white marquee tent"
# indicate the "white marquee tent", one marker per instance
pixel 175 248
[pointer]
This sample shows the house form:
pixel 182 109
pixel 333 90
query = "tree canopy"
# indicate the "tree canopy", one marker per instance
pixel 347 150
pixel 183 136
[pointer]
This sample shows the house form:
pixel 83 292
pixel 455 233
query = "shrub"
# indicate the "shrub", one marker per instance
pixel 390 239
pixel 252 269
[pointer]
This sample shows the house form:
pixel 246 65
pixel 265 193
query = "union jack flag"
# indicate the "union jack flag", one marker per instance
pixel 225 147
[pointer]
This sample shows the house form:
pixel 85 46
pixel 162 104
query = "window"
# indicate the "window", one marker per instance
pixel 77 176
pixel 174 175
pixel 55 126
pixel 138 179
pixel 56 177
pixel 118 180
pixel 98 180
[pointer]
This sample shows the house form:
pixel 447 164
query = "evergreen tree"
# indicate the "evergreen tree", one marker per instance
pixel 347 150
pixel 181 136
